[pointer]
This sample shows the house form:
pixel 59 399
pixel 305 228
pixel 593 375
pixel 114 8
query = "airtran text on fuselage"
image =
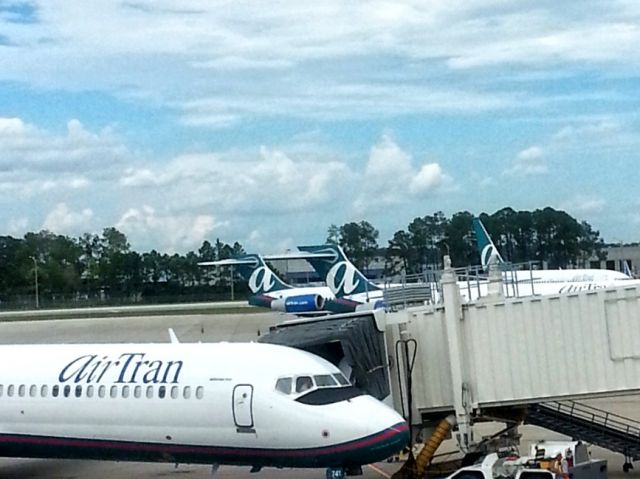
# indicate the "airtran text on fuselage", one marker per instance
pixel 128 368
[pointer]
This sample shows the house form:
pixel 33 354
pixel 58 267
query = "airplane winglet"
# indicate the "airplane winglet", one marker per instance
pixel 172 336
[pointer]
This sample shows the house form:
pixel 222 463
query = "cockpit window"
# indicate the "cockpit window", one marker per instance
pixel 284 385
pixel 325 380
pixel 341 379
pixel 303 383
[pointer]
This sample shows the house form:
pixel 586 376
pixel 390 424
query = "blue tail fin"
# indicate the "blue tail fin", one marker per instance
pixel 254 270
pixel 341 276
pixel 486 248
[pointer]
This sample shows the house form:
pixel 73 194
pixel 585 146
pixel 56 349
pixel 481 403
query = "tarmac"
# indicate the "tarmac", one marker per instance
pixel 211 328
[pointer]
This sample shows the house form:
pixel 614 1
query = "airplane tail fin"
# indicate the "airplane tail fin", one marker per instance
pixel 255 271
pixel 486 248
pixel 341 276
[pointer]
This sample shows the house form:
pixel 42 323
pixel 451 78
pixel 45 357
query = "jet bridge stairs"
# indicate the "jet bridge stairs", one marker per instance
pixel 587 423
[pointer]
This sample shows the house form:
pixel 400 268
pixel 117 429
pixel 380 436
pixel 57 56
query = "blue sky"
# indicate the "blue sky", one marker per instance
pixel 183 120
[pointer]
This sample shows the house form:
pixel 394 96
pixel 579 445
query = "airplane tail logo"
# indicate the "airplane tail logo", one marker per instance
pixel 259 276
pixel 341 276
pixel 486 247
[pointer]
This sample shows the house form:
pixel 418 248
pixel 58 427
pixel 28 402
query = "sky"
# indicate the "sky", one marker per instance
pixel 178 121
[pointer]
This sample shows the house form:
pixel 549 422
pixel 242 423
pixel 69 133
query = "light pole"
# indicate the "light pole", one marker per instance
pixel 232 292
pixel 35 269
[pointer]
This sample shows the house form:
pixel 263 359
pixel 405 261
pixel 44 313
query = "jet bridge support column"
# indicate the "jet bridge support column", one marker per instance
pixel 461 391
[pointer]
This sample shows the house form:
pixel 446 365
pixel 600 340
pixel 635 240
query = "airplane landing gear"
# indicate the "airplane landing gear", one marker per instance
pixel 336 473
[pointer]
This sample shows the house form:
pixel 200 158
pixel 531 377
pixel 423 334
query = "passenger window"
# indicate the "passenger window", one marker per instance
pixel 21 390
pixel 78 391
pixel 55 391
pixel 175 391
pixel 125 391
pixel 102 391
pixel 90 391
pixel 199 392
pixel 325 381
pixel 186 393
pixel 284 385
pixel 137 391
pixel 33 391
pixel 162 391
pixel 44 390
pixel 67 391
pixel 113 392
pixel 10 390
pixel 341 379
pixel 150 392
pixel 1 388
pixel 303 383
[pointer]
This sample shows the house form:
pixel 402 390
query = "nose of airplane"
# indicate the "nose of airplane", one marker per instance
pixel 388 433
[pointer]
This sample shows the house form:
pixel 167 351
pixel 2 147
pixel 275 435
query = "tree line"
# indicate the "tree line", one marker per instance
pixel 99 269
pixel 103 269
pixel 547 236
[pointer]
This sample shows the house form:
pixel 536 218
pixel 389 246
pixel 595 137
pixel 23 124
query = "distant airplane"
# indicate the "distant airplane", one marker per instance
pixel 353 290
pixel 488 250
pixel 246 404
pixel 269 291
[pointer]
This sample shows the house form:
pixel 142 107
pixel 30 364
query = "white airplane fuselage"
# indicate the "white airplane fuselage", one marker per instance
pixel 211 403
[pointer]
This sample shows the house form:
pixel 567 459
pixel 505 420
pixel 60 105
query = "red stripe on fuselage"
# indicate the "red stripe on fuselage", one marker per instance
pixel 362 443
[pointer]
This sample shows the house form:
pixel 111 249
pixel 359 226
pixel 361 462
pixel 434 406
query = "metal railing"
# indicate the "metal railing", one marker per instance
pixel 595 416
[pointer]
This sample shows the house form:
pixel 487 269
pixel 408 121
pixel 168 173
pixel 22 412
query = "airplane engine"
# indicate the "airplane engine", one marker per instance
pixel 303 303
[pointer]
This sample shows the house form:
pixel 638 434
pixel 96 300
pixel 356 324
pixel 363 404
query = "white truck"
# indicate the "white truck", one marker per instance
pixel 547 460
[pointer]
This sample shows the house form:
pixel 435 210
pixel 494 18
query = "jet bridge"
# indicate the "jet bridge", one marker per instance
pixel 500 352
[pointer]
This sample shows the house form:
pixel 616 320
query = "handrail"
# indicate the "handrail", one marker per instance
pixel 596 416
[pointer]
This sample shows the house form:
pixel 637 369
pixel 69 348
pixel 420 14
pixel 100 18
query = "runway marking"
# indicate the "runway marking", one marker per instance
pixel 380 471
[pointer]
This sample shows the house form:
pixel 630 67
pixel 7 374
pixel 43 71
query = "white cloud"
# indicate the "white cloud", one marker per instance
pixel 171 232
pixel 528 162
pixel 220 65
pixel 62 220
pixel 429 178
pixel 30 150
pixel 582 204
pixel 270 182
pixel 391 179
pixel 606 131
pixel 18 226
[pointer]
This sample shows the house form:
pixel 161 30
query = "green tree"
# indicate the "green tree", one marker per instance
pixel 360 242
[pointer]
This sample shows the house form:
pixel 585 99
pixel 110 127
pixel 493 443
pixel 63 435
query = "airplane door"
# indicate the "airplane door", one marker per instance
pixel 243 406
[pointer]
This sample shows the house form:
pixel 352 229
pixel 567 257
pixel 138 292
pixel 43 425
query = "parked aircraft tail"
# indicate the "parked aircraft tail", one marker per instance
pixel 341 276
pixel 486 248
pixel 260 278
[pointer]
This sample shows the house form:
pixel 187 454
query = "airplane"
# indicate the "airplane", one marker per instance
pixel 488 250
pixel 269 291
pixel 243 404
pixel 352 289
